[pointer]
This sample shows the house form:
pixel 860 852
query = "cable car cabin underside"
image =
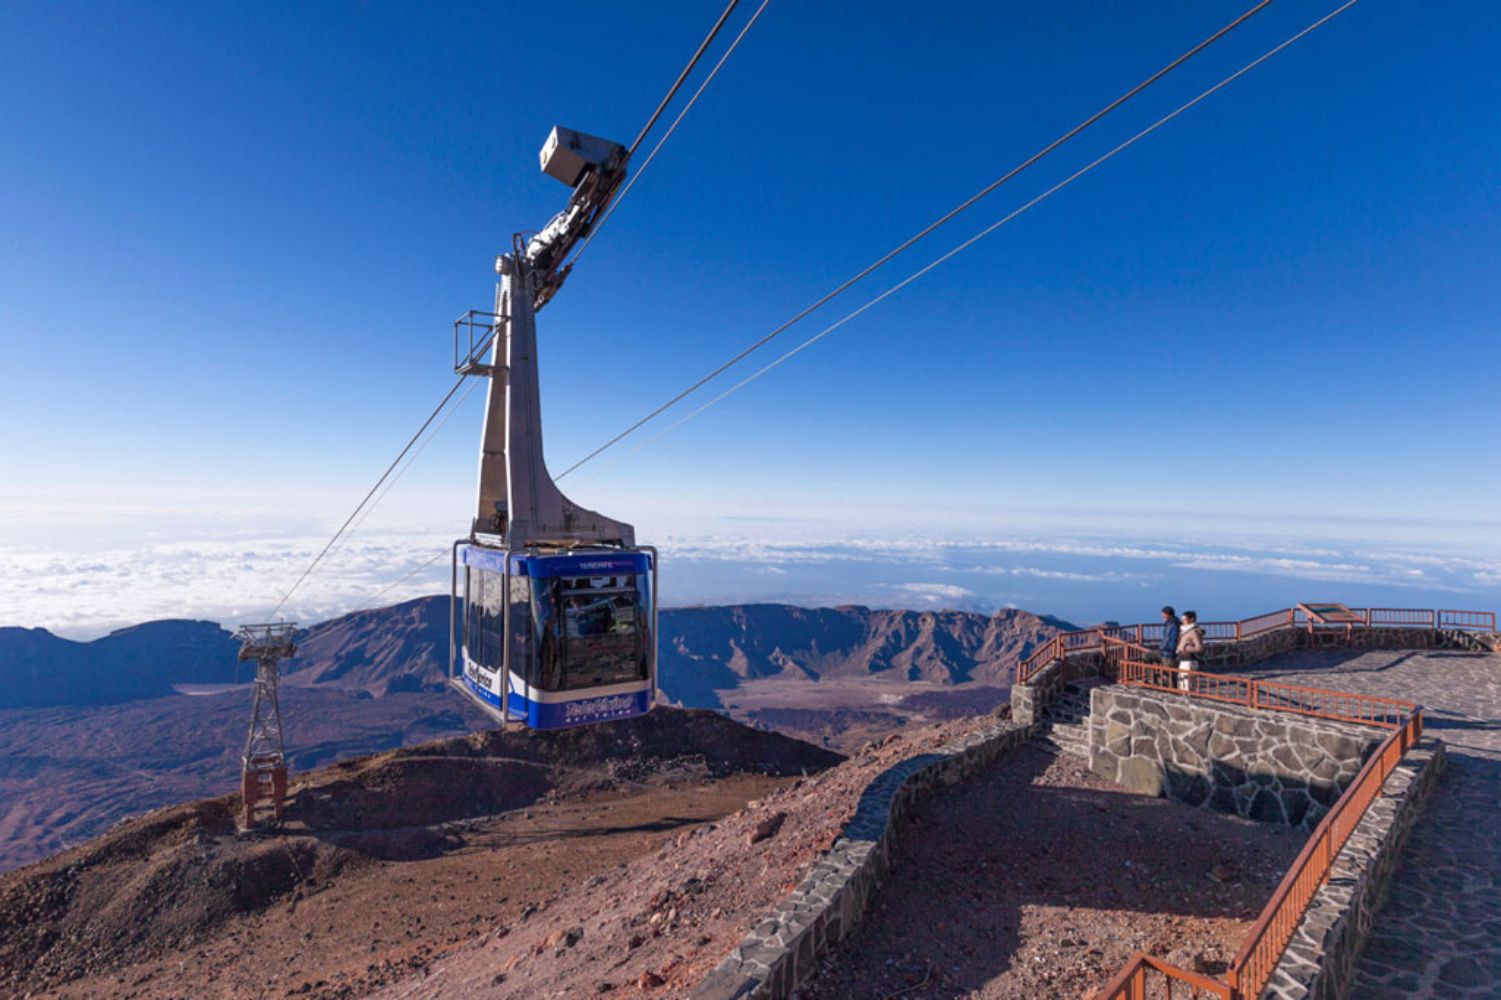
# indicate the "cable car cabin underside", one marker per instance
pixel 559 639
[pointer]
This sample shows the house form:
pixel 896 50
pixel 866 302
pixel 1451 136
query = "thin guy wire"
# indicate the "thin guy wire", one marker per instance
pixel 473 384
pixel 615 202
pixel 942 220
pixel 370 602
pixel 358 507
pixel 993 226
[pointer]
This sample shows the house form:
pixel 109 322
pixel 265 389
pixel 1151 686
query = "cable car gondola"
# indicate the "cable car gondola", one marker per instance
pixel 558 604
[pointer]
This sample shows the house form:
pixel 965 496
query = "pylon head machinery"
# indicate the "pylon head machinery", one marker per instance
pixel 263 774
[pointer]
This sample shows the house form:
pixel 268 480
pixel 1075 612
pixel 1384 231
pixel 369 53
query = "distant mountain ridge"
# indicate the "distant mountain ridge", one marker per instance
pixel 92 731
pixel 404 649
pixel 39 669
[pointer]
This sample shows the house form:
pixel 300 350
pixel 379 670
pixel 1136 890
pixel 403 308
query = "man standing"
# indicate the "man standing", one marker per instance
pixel 1169 647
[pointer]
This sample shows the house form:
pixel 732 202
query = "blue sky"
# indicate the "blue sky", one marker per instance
pixel 234 238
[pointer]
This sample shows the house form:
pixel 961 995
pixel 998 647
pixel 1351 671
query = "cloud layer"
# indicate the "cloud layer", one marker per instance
pixel 88 590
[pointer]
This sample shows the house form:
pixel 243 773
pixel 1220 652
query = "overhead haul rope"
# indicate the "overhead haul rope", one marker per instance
pixel 448 396
pixel 936 224
pixel 676 84
pixel 992 227
pixel 615 202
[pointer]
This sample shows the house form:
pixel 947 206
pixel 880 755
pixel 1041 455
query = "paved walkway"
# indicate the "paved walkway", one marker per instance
pixel 1439 933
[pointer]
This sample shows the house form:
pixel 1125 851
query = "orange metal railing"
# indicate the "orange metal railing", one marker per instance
pixel 1253 965
pixel 1408 617
pixel 1343 706
pixel 1130 663
pixel 1136 980
pixel 1064 643
pixel 1484 620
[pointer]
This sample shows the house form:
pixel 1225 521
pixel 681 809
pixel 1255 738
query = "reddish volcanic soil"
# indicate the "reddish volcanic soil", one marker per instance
pixel 385 864
pixel 1036 879
pixel 656 926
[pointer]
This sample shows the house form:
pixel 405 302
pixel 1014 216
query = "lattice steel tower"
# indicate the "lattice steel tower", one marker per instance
pixel 263 778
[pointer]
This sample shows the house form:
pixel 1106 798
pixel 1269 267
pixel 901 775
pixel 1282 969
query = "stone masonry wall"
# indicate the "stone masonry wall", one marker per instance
pixel 1319 962
pixel 1270 766
pixel 1030 699
pixel 784 948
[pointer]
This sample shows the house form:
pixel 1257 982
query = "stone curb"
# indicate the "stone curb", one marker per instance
pixel 784 947
pixel 1320 960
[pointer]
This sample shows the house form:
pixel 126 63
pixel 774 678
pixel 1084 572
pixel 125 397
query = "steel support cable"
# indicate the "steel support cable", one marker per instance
pixel 370 601
pixel 617 199
pixel 927 230
pixel 992 228
pixel 678 83
pixel 361 505
pixel 411 459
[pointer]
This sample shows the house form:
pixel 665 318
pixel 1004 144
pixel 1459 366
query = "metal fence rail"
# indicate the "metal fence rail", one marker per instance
pixel 1084 640
pixel 1143 972
pixel 1274 696
pixel 1483 620
pixel 1253 964
pixel 1129 661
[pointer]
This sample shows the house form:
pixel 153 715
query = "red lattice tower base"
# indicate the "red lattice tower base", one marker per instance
pixel 263 777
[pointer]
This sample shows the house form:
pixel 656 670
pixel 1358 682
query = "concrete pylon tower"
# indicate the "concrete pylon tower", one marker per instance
pixel 263 776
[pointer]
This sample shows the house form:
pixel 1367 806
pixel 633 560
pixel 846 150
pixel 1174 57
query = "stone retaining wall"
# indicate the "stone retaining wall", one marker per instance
pixel 1271 766
pixel 1030 699
pixel 785 946
pixel 1319 962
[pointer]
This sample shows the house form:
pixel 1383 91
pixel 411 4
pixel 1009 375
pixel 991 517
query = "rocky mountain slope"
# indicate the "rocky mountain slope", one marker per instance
pixel 179 880
pixel 93 731
pixel 404 648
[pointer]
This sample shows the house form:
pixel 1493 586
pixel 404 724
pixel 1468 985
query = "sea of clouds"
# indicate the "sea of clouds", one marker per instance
pixel 84 586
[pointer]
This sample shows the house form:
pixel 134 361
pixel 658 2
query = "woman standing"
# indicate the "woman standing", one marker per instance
pixel 1190 647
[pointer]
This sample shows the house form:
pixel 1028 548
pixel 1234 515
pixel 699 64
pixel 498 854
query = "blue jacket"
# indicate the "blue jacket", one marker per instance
pixel 1170 637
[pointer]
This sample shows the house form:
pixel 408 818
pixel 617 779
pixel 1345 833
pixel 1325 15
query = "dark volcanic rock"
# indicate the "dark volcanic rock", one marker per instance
pixel 38 668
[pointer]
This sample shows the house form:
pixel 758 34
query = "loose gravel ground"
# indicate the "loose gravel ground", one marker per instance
pixel 657 926
pixel 1037 879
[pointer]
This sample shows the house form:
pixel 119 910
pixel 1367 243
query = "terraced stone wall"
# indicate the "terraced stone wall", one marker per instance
pixel 1270 766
